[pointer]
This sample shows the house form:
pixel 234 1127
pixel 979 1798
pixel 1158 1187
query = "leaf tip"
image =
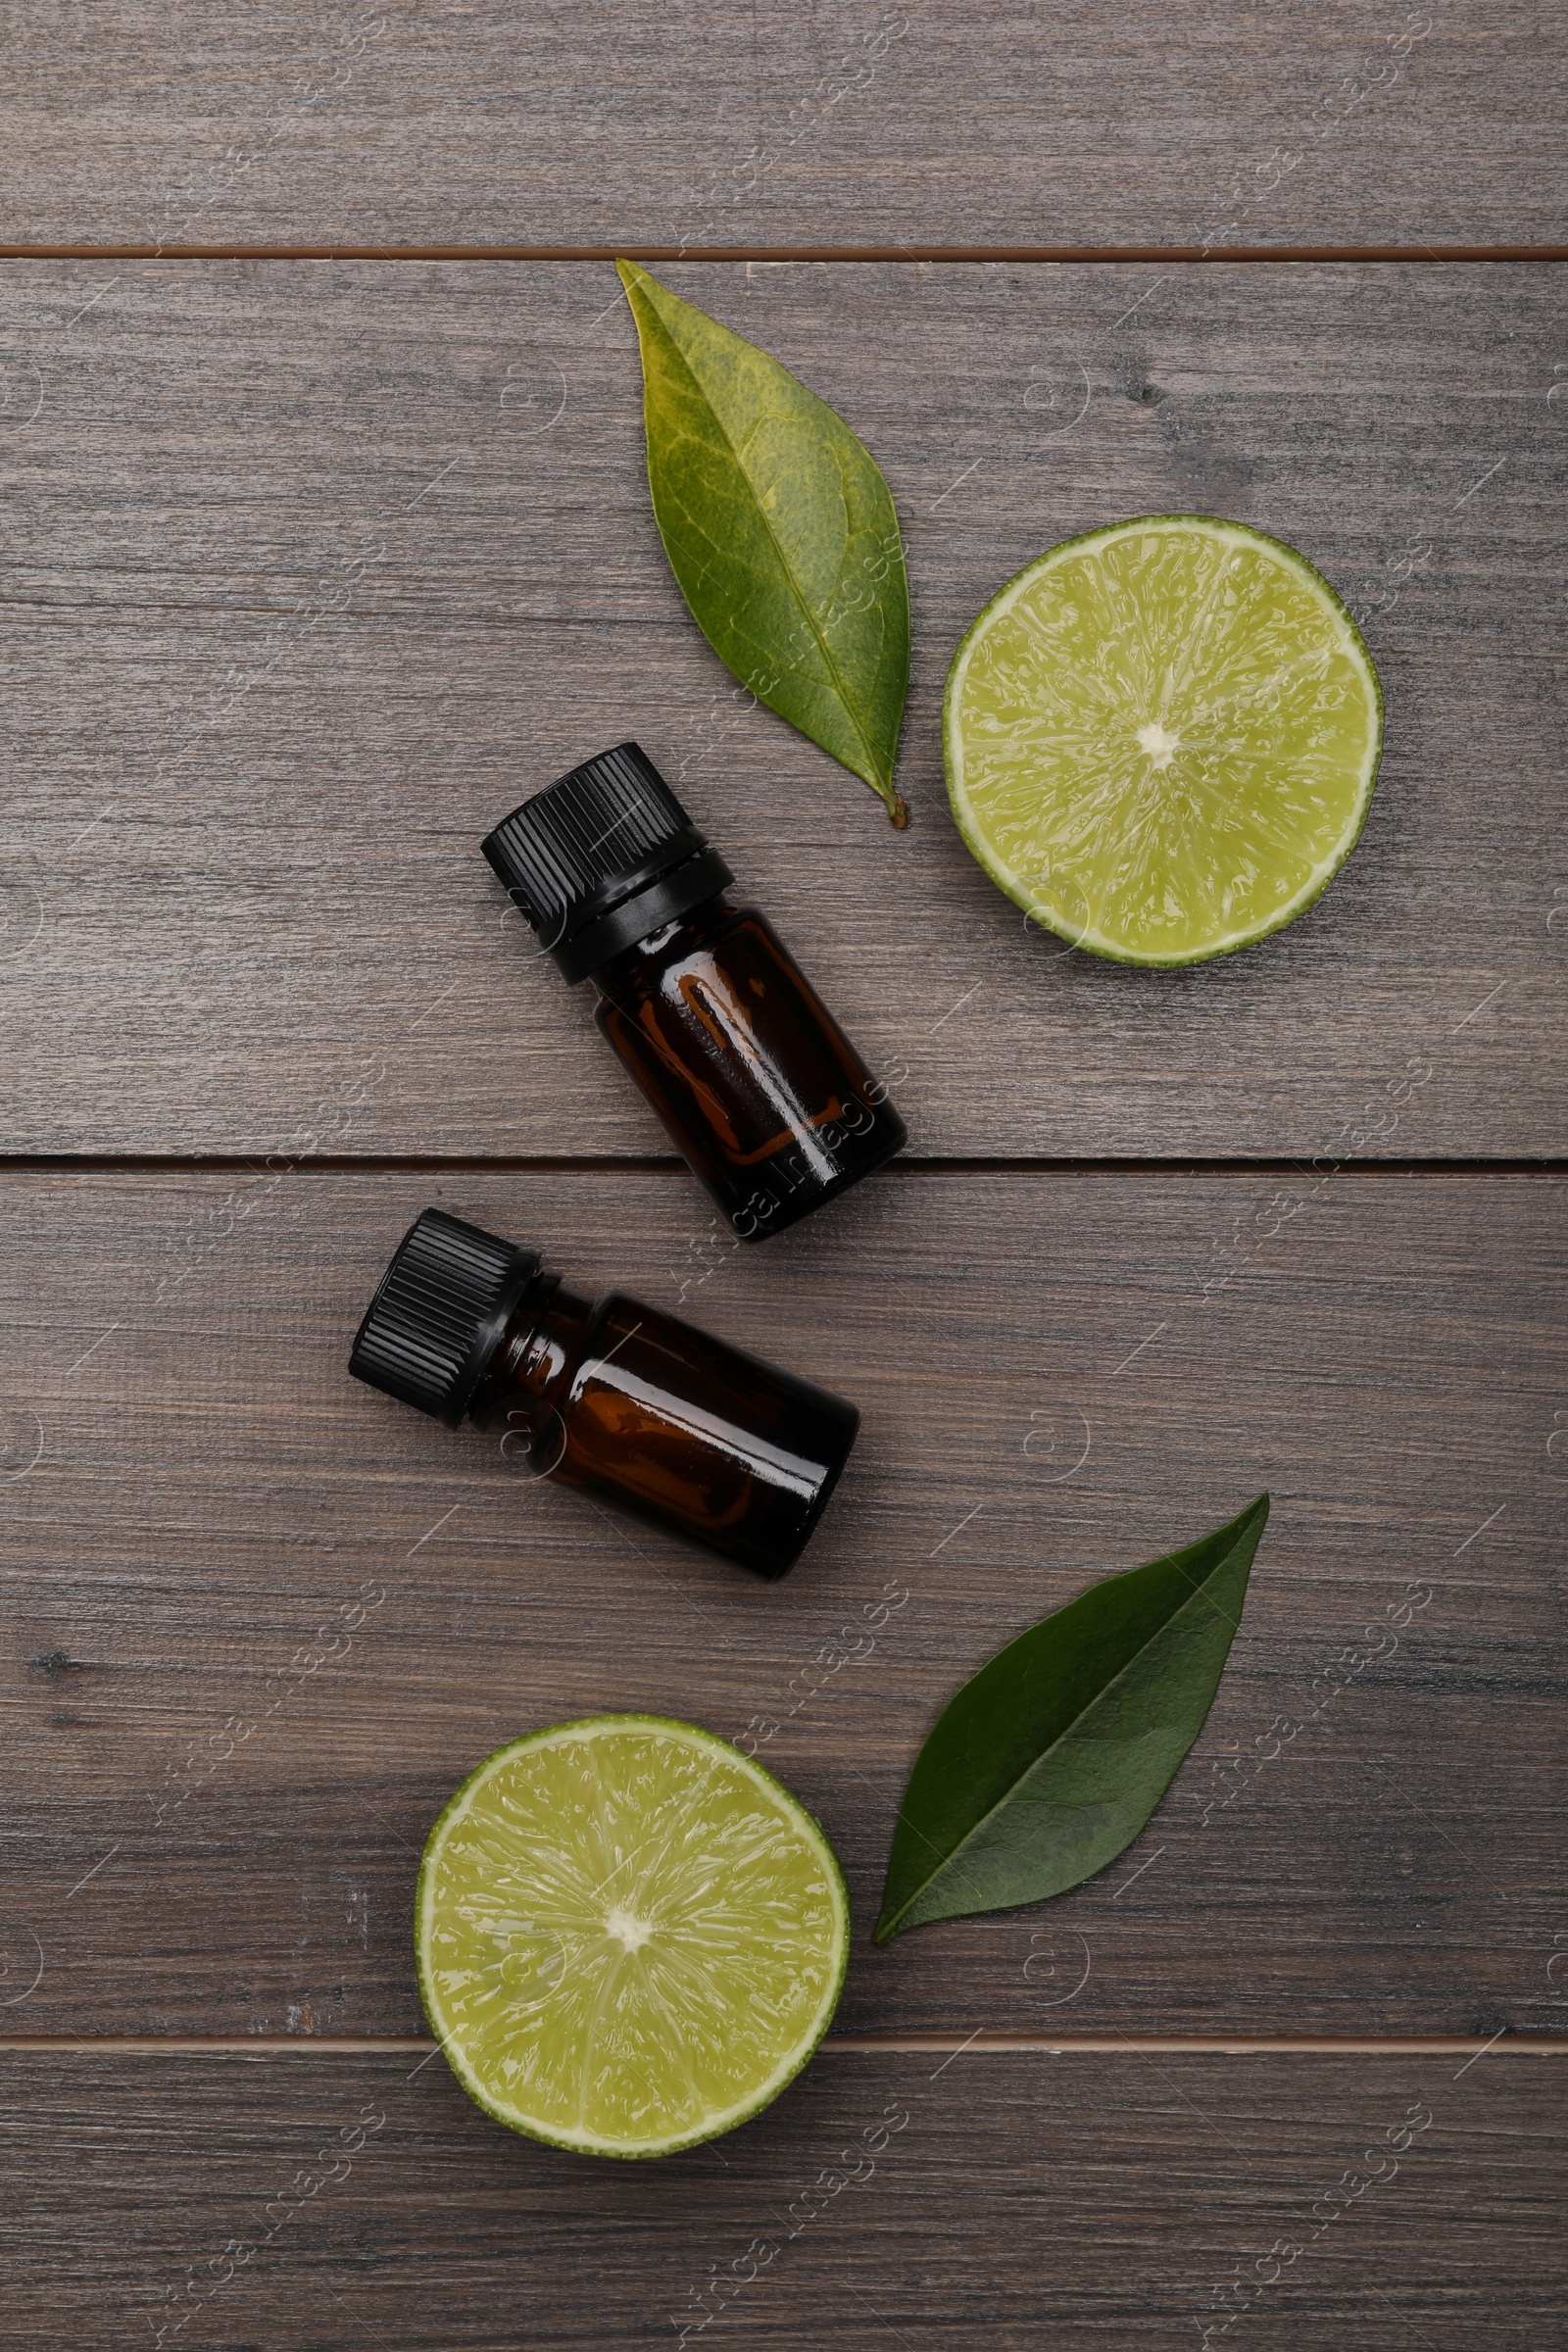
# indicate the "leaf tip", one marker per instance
pixel 636 284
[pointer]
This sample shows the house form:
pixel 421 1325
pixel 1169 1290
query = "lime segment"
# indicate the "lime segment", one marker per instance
pixel 1161 739
pixel 629 1936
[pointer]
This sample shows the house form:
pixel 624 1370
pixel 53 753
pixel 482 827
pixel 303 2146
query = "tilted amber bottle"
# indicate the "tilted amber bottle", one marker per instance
pixel 754 1080
pixel 616 1396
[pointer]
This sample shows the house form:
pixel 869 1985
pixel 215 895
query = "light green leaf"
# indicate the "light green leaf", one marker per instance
pixel 780 531
pixel 1050 1759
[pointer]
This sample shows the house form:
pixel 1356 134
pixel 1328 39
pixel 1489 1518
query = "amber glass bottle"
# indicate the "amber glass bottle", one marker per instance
pixel 615 1395
pixel 754 1080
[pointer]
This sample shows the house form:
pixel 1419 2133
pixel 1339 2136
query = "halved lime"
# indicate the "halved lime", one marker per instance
pixel 629 1936
pixel 1161 739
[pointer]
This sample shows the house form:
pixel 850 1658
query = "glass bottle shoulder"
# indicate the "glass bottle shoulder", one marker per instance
pixel 707 930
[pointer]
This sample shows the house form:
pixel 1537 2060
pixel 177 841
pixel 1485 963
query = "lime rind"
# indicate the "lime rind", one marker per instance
pixel 448 2031
pixel 1079 914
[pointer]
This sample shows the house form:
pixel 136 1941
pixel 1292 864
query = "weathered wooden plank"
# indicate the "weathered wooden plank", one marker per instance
pixel 212 1824
pixel 316 569
pixel 758 127
pixel 1024 2200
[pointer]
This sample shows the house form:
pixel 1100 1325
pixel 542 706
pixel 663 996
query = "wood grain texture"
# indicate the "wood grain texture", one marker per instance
pixel 316 569
pixel 1031 2202
pixel 213 1827
pixel 766 125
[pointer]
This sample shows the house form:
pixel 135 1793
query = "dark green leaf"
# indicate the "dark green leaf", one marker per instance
pixel 1052 1758
pixel 781 531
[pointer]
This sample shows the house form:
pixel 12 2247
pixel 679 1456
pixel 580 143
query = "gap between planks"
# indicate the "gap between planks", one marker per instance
pixel 1170 2045
pixel 434 1163
pixel 1443 255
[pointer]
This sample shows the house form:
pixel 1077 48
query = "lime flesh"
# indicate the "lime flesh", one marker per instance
pixel 629 1936
pixel 1161 739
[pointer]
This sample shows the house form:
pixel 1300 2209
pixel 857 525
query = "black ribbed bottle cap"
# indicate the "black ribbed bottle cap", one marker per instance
pixel 443 1305
pixel 601 858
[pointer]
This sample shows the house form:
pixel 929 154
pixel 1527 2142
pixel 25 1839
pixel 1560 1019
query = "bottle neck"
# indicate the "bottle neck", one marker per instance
pixel 534 1358
pixel 665 944
pixel 636 909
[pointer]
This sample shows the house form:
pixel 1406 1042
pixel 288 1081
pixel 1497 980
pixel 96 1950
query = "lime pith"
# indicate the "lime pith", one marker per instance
pixel 629 1936
pixel 1161 738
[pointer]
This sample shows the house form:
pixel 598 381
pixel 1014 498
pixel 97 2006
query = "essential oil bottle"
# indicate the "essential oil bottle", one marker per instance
pixel 613 1396
pixel 755 1082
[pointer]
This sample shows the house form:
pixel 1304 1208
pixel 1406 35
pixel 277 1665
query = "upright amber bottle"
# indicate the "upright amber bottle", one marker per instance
pixel 615 1397
pixel 754 1080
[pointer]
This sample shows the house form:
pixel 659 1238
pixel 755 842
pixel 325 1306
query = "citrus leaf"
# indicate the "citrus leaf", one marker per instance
pixel 780 531
pixel 1050 1759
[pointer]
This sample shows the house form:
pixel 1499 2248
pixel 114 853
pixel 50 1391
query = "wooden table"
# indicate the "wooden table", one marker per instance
pixel 326 540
